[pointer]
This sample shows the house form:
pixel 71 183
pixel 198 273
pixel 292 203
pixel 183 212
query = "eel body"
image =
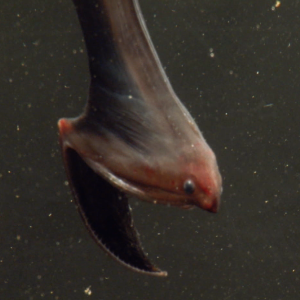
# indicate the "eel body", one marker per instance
pixel 134 137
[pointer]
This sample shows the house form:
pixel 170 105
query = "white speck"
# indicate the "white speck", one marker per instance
pixel 88 291
pixel 36 43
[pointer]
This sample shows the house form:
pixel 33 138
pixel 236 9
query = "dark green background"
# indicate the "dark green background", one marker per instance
pixel 245 100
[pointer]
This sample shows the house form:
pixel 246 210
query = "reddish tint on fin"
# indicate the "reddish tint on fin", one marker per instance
pixel 64 126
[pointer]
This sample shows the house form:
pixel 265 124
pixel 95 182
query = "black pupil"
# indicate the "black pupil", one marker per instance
pixel 189 187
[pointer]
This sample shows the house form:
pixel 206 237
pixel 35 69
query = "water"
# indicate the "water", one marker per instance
pixel 235 65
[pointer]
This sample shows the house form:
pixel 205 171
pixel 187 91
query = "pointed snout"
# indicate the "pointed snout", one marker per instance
pixel 215 205
pixel 210 203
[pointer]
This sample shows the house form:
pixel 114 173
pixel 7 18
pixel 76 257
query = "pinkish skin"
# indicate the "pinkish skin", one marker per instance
pixel 158 178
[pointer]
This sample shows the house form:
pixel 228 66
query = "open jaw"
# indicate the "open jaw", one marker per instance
pixel 103 205
pixel 107 215
pixel 132 120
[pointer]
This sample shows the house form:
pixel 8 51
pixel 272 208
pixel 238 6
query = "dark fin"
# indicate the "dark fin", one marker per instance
pixel 106 213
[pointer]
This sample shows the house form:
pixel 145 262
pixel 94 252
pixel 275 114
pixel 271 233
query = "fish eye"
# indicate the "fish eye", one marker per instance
pixel 189 187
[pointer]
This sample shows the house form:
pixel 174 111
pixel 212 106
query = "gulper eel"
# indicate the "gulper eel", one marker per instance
pixel 134 138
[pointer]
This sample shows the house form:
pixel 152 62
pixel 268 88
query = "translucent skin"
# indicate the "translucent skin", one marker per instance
pixel 156 176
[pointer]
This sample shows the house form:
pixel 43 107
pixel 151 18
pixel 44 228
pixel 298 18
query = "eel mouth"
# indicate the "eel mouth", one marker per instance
pixel 158 195
pixel 155 194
